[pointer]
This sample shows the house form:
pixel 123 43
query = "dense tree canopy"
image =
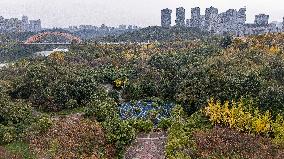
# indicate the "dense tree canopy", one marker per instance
pixel 99 78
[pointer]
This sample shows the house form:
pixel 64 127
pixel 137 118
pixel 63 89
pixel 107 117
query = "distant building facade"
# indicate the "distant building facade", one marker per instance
pixel 231 22
pixel 195 20
pixel 25 23
pixel 211 19
pixel 17 25
pixel 122 27
pixel 166 17
pixel 261 19
pixel 283 25
pixel 35 25
pixel 180 16
pixel 99 31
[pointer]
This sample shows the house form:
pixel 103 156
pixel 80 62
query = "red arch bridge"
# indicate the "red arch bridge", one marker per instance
pixel 36 39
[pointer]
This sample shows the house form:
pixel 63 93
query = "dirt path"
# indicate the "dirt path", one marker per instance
pixel 148 146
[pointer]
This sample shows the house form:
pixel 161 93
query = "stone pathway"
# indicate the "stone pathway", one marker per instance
pixel 148 146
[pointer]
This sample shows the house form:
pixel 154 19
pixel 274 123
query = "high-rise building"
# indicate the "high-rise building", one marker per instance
pixel 73 28
pixel 166 17
pixel 104 28
pixel 187 23
pixel 25 23
pixel 135 27
pixel 241 21
pixel 261 19
pixel 195 20
pixel 35 25
pixel 19 25
pixel 283 25
pixel 130 27
pixel 242 17
pixel 2 23
pixel 13 25
pixel 86 27
pixel 122 27
pixel 211 18
pixel 180 16
pixel 231 22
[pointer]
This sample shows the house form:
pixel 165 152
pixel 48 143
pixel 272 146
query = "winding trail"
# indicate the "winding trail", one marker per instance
pixel 148 146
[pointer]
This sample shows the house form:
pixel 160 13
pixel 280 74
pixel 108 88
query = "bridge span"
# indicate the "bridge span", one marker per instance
pixel 46 43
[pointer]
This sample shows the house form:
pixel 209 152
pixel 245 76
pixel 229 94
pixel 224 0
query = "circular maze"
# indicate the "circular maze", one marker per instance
pixel 145 110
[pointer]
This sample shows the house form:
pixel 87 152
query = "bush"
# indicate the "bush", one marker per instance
pixel 180 142
pixel 226 41
pixel 42 124
pixel 53 86
pixel 236 116
pixel 70 136
pixel 164 123
pixel 278 130
pixel 242 116
pixel 102 108
pixel 13 113
pixel 7 134
pixel 15 117
pixel 142 125
pixel 120 133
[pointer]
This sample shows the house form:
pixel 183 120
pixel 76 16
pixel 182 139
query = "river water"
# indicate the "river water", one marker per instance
pixel 47 53
pixel 43 53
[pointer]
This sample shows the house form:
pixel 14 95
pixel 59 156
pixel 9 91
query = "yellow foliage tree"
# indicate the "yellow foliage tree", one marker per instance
pixel 236 116
pixel 57 56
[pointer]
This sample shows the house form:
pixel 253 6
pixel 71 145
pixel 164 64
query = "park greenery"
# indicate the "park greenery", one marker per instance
pixel 156 33
pixel 205 92
pixel 11 48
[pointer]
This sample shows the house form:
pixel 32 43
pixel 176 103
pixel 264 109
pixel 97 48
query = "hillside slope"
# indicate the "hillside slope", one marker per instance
pixel 156 33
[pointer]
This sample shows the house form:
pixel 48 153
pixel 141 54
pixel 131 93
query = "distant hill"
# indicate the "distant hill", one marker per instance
pixel 156 33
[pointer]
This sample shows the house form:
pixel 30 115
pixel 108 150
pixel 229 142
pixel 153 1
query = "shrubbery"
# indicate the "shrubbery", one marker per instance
pixel 51 86
pixel 244 116
pixel 69 137
pixel 188 73
pixel 180 142
pixel 119 133
pixel 142 125
pixel 102 108
pixel 16 117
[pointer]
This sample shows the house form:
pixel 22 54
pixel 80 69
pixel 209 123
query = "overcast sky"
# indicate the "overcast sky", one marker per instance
pixel 62 13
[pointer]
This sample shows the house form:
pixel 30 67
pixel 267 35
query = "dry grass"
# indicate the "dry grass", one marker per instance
pixel 4 154
pixel 228 143
pixel 71 137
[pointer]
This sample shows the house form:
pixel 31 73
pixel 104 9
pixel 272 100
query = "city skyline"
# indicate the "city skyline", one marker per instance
pixel 232 21
pixel 63 13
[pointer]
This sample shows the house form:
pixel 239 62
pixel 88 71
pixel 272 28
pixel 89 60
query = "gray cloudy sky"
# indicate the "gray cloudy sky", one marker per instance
pixel 63 13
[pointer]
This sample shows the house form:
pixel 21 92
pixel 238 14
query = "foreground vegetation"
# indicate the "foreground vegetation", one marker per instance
pixel 218 85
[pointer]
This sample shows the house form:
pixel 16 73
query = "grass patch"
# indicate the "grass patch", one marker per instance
pixel 67 111
pixel 20 148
